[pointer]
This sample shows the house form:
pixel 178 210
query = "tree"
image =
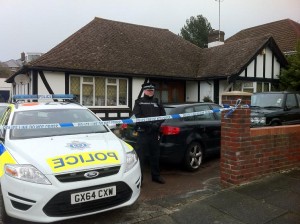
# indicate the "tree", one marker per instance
pixel 4 71
pixel 290 77
pixel 196 31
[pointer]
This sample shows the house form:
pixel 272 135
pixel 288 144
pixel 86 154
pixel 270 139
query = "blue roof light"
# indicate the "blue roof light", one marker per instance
pixel 41 97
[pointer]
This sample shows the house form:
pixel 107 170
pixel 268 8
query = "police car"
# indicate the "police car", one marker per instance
pixel 59 161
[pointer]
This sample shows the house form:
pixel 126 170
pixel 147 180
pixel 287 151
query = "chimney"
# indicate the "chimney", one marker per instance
pixel 22 56
pixel 215 38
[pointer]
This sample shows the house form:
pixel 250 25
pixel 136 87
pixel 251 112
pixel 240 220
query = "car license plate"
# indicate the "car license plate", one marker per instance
pixel 92 195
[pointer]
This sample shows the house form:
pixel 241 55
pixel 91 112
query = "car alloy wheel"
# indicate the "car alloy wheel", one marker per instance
pixel 194 156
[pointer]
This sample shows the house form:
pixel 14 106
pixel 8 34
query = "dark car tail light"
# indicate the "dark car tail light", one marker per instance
pixel 124 126
pixel 169 130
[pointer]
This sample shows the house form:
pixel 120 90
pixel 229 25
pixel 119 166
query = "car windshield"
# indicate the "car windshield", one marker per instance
pixel 51 117
pixel 267 100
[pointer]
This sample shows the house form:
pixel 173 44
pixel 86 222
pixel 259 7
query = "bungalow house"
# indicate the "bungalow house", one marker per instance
pixel 105 63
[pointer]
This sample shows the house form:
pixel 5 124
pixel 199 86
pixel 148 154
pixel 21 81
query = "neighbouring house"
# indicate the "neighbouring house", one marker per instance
pixel 285 32
pixel 13 66
pixel 105 63
pixel 8 68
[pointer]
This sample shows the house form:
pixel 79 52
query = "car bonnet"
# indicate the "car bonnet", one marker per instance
pixel 62 154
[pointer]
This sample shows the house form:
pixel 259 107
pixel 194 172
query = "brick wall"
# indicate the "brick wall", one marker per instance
pixel 252 153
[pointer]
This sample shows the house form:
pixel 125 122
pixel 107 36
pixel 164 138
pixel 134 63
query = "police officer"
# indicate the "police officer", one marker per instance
pixel 148 132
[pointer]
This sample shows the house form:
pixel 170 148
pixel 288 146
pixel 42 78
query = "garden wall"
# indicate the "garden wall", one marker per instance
pixel 248 153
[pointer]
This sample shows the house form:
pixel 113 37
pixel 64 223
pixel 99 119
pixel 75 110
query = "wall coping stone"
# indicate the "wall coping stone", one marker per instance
pixel 236 93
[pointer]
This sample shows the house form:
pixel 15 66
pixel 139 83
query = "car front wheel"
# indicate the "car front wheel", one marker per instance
pixel 193 157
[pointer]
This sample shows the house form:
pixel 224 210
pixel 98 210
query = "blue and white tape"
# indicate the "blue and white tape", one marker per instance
pixel 125 121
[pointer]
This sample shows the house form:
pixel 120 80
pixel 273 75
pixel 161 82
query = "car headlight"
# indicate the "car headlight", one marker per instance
pixel 258 120
pixel 27 173
pixel 131 160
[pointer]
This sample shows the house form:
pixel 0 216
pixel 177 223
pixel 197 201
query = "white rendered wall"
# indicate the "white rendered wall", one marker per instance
pixel 56 81
pixel 260 66
pixel 4 85
pixel 191 91
pixel 136 88
pixel 206 89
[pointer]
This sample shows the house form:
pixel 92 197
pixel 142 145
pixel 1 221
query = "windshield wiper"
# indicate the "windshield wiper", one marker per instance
pixel 267 107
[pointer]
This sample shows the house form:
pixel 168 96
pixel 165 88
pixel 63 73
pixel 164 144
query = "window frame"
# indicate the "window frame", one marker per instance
pixel 107 84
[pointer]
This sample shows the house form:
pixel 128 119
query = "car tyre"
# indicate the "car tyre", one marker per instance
pixel 275 123
pixel 193 156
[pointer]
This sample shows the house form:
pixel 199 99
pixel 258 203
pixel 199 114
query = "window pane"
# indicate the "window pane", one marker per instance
pixel 248 84
pixel 112 81
pixel 111 95
pixel 266 87
pixel 100 91
pixel 258 87
pixel 122 92
pixel 291 101
pixel 206 116
pixel 237 86
pixel 87 79
pixel 75 85
pixel 189 110
pixel 248 90
pixel 87 95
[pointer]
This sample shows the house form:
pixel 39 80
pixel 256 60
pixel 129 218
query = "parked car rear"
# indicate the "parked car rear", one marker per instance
pixel 185 140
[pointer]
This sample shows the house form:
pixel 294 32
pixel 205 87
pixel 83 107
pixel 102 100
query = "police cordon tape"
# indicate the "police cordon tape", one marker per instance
pixel 228 108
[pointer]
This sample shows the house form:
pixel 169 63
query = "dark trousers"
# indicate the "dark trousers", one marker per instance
pixel 148 144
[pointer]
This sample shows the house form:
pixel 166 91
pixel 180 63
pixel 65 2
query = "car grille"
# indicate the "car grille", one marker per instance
pixel 79 176
pixel 60 205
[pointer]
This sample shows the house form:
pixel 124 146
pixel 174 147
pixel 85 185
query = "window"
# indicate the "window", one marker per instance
pixel 189 110
pixel 248 87
pixel 54 116
pixel 262 87
pixel 100 91
pixel 251 87
pixel 291 101
pixel 206 116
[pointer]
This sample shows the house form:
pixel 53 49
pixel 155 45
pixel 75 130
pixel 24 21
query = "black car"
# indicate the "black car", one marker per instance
pixel 275 108
pixel 185 140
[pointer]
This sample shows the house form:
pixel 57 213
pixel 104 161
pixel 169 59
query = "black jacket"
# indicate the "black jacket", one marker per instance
pixel 148 107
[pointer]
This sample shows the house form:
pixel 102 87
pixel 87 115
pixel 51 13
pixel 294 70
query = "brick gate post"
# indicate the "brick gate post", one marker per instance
pixel 235 139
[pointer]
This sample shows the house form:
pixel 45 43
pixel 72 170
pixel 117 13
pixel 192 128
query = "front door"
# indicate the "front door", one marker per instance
pixel 170 91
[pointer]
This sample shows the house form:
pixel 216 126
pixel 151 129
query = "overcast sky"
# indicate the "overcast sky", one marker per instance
pixel 39 25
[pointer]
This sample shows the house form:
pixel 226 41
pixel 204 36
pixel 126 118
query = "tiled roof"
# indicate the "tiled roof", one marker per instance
pixel 122 48
pixel 232 58
pixel 13 63
pixel 110 47
pixel 285 32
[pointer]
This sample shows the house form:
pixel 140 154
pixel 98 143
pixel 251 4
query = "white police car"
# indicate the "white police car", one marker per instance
pixel 58 161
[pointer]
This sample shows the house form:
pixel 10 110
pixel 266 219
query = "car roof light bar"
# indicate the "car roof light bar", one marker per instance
pixel 43 97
